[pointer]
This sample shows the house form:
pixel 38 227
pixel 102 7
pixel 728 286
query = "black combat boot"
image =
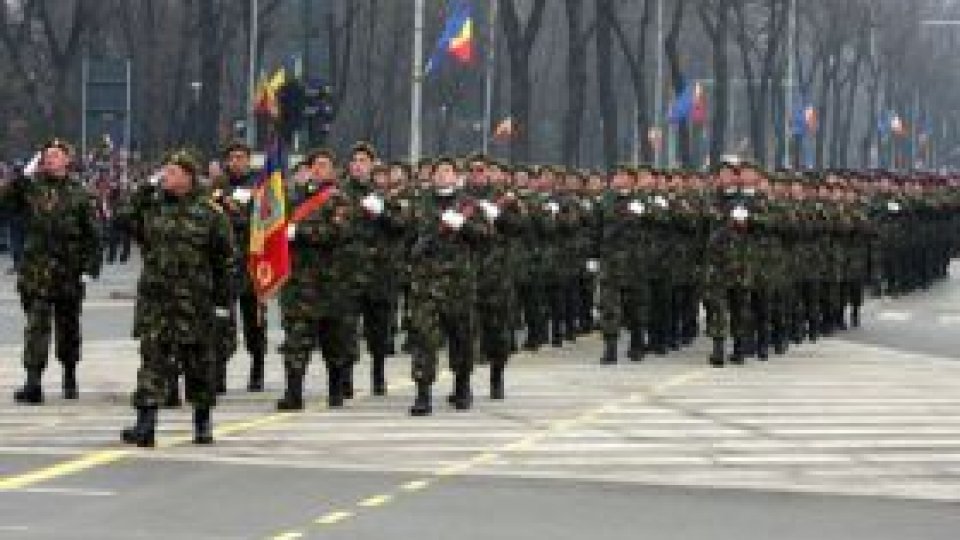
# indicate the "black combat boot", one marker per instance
pixel 255 382
pixel 737 357
pixel 556 328
pixel 421 405
pixel 609 350
pixel 143 432
pixel 378 379
pixel 70 390
pixel 840 322
pixel 462 394
pixel 637 348
pixel 496 378
pixel 334 386
pixel 763 347
pixel 31 393
pixel 173 401
pixel 780 343
pixel 855 317
pixel 346 380
pixel 202 427
pixel 292 399
pixel 717 356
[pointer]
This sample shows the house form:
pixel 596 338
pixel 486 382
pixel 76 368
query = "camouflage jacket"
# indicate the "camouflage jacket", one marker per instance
pixel 188 249
pixel 61 236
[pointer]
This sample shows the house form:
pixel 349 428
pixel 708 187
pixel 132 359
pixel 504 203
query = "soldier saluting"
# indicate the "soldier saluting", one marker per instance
pixel 61 254
pixel 183 290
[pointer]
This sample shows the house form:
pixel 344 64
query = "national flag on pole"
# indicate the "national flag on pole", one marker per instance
pixel 266 101
pixel 456 40
pixel 268 260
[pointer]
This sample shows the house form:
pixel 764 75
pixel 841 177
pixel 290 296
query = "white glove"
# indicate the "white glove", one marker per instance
pixel 893 207
pixel 593 266
pixel 222 312
pixel 586 205
pixel 241 195
pixel 85 278
pixel 636 207
pixel 453 219
pixel 661 201
pixel 154 179
pixel 291 231
pixel 372 203
pixel 740 213
pixel 490 210
pixel 34 165
pixel 553 207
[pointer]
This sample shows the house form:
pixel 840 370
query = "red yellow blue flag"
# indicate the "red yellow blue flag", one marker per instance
pixel 268 259
pixel 456 40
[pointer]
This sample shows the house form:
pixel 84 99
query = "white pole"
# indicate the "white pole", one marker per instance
pixel 416 97
pixel 252 72
pixel 84 77
pixel 636 134
pixel 791 77
pixel 491 70
pixel 658 90
pixel 127 128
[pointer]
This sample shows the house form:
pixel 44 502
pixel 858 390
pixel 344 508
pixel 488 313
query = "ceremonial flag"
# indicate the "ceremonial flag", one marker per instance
pixel 268 260
pixel 456 40
pixel 267 102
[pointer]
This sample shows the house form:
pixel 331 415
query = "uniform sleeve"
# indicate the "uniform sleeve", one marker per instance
pixel 90 237
pixel 223 251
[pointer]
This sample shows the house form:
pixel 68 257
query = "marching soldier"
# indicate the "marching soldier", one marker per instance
pixel 61 254
pixel 235 194
pixel 184 288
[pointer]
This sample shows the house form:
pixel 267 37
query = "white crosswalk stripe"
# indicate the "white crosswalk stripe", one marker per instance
pixel 834 417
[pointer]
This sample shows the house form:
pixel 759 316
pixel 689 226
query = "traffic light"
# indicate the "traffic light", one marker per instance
pixel 318 111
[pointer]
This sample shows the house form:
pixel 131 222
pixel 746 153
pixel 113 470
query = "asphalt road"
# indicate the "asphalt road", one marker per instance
pixel 857 437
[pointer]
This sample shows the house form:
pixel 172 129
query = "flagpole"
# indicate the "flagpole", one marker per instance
pixel 491 69
pixel 416 94
pixel 791 76
pixel 252 72
pixel 658 90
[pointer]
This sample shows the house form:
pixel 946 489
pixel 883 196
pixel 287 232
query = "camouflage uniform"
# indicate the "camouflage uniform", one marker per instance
pixel 188 250
pixel 316 303
pixel 623 293
pixel 235 196
pixel 61 245
pixel 443 294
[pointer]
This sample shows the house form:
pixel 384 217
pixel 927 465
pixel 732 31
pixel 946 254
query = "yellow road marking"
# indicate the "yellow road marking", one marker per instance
pixel 334 517
pixel 292 535
pixel 64 468
pixel 415 485
pixel 376 500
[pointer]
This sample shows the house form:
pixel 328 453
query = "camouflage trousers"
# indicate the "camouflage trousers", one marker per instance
pixel 433 322
pixel 622 306
pixel 43 316
pixel 729 312
pixel 532 295
pixel 494 326
pixel 160 364
pixel 377 314
pixel 334 336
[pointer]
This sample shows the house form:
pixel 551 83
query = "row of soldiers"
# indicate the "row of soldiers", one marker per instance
pixel 473 254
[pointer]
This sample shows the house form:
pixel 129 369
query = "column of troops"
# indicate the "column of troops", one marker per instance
pixel 483 260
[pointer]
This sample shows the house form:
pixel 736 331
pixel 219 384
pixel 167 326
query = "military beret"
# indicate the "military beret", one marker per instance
pixel 237 146
pixel 365 148
pixel 185 160
pixel 57 142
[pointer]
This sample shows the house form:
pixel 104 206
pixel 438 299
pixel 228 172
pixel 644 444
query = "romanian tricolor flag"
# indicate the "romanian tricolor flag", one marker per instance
pixel 456 39
pixel 268 260
pixel 266 102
